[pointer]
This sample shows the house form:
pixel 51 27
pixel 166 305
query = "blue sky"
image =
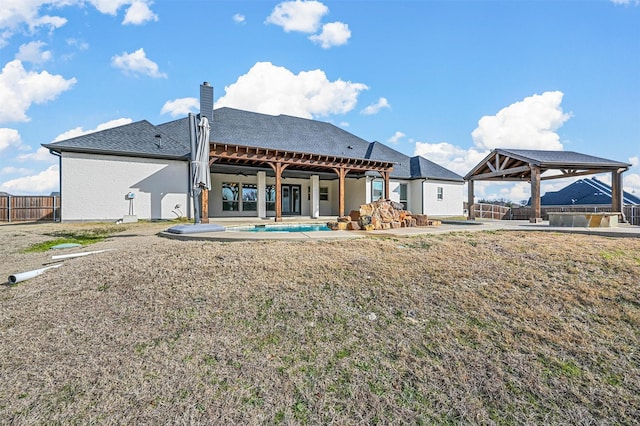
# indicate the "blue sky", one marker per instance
pixel 449 80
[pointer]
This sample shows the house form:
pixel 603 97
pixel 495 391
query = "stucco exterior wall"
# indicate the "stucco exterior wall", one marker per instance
pixel 93 187
pixel 355 194
pixel 452 200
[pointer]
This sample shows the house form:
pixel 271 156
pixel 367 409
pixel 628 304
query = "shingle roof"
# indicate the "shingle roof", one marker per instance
pixel 136 139
pixel 421 167
pixel 564 158
pixel 284 132
pixel 584 192
pixel 512 164
pixel 238 127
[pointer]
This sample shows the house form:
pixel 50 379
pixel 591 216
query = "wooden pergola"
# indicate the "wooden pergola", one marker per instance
pixel 279 160
pixel 530 165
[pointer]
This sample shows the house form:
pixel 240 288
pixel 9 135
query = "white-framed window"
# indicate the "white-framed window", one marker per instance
pixel 440 192
pixel 402 189
pixel 377 189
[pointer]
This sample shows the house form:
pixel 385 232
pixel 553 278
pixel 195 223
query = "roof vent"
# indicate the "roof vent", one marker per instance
pixel 159 140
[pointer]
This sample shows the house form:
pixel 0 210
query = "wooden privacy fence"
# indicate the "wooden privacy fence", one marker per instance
pixel 491 211
pixel 19 208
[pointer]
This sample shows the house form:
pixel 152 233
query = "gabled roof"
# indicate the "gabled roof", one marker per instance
pixel 584 192
pixel 244 128
pixel 544 158
pixel 139 139
pixel 516 164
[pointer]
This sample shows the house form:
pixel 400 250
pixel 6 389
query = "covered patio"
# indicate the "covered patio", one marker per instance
pixel 520 165
pixel 280 160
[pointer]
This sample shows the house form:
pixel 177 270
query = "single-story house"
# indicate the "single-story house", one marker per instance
pixel 584 192
pixel 316 168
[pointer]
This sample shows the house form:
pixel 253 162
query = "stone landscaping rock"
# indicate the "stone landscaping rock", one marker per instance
pixel 381 214
pixel 421 220
pixel 353 226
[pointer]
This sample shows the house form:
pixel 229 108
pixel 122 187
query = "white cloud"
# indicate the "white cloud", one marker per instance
pixel 109 7
pixel 19 89
pixel 238 18
pixel 375 108
pixel 41 154
pixel 396 137
pixel 270 89
pixel 17 13
pixel 79 44
pixel 32 52
pixel 631 183
pixel 333 34
pixel 626 2
pixel 302 16
pixel 11 170
pixel 42 183
pixel 139 13
pixel 180 106
pixel 9 137
pixel 528 124
pixel 450 156
pixel 137 63
pixel 635 161
pixel 79 131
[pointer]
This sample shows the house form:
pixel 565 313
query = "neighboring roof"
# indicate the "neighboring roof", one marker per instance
pixel 137 139
pixel 584 192
pixel 515 164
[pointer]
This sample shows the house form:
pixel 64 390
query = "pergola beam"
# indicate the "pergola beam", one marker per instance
pixel 279 160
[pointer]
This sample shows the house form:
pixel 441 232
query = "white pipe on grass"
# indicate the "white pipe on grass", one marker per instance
pixel 23 276
pixel 69 256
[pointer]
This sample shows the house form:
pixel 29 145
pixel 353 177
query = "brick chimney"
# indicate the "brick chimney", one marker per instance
pixel 206 101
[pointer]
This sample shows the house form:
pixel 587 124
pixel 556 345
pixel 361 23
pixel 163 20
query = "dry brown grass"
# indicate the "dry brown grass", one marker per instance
pixel 479 328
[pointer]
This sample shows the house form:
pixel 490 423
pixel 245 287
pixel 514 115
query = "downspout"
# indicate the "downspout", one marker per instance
pixel 59 184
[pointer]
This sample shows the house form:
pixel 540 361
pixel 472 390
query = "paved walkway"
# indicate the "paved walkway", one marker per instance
pixel 623 230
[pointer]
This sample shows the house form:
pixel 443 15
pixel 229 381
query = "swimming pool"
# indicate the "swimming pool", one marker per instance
pixel 293 227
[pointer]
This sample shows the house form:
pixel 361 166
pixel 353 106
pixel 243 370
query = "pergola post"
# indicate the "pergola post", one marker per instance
pixel 470 198
pixel 387 186
pixel 278 168
pixel 205 206
pixel 616 191
pixel 535 195
pixel 341 172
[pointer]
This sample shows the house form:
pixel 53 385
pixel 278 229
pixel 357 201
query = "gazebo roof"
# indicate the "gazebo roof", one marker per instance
pixel 516 164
